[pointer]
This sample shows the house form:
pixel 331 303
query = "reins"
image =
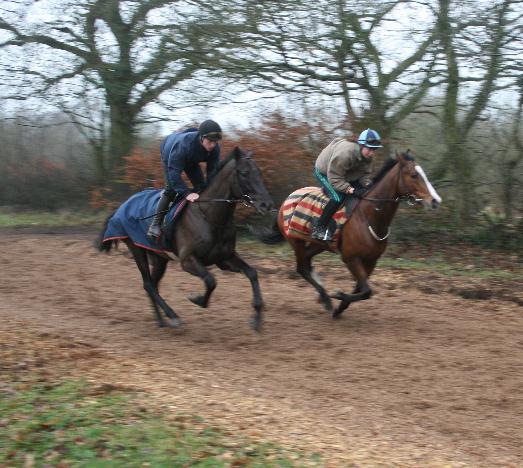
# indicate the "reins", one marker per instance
pixel 410 199
pixel 246 200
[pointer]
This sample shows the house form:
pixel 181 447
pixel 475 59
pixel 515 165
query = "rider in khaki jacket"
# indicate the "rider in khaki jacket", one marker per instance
pixel 343 168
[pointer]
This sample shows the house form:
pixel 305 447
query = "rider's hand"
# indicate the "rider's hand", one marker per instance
pixel 192 197
pixel 359 193
pixel 350 191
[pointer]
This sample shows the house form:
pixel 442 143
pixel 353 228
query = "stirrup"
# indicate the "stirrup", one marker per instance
pixel 321 233
pixel 154 232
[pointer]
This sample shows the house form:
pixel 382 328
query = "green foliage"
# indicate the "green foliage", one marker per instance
pixel 437 264
pixel 70 424
pixel 16 218
pixel 500 235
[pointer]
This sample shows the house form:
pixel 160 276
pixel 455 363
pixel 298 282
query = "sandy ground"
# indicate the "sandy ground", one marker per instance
pixel 413 377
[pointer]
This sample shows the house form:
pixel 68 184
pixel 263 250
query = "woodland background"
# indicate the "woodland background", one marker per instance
pixel 90 88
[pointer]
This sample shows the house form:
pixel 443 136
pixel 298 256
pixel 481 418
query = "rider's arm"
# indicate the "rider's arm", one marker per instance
pixel 175 167
pixel 366 180
pixel 195 174
pixel 339 164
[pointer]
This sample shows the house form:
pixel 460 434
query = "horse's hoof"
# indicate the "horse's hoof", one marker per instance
pixel 198 300
pixel 336 314
pixel 328 306
pixel 174 323
pixel 256 324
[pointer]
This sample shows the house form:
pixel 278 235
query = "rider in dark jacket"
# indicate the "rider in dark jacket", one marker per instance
pixel 183 152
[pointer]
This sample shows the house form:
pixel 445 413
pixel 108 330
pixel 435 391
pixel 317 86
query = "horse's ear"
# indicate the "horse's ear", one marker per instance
pixel 409 155
pixel 237 153
pixel 400 157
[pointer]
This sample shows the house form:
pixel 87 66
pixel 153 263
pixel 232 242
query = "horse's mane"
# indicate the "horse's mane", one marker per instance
pixel 223 162
pixel 388 165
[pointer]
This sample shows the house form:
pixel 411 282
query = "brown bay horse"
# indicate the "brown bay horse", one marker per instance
pixel 364 236
pixel 205 235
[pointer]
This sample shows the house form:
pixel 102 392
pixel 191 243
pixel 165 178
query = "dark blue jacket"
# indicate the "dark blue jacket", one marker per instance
pixel 183 152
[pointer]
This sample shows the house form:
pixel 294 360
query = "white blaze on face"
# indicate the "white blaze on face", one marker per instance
pixel 432 190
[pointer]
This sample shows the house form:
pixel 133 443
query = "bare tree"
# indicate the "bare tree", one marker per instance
pixel 125 53
pixel 477 43
pixel 343 49
pixel 511 170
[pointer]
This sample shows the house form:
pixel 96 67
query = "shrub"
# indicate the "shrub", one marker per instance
pixel 41 184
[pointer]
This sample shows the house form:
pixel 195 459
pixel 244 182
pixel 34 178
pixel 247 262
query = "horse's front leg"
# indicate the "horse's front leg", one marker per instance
pixel 361 271
pixel 193 266
pixel 237 264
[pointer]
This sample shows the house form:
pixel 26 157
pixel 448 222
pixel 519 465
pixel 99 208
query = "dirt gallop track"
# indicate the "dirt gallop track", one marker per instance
pixel 408 378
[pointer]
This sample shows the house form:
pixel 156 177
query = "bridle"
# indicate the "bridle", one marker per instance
pixel 244 199
pixel 409 198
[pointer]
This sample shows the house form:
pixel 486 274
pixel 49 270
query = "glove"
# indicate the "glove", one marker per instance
pixel 359 192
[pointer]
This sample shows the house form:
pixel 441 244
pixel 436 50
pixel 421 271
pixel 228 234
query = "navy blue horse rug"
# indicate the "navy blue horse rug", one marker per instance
pixel 132 219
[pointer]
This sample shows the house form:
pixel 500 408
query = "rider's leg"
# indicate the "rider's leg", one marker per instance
pixel 163 205
pixel 320 229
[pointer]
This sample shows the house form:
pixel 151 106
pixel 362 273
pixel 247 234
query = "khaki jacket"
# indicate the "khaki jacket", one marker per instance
pixel 341 161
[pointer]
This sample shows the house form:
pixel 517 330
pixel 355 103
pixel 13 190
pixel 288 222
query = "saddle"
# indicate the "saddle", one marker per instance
pixel 169 223
pixel 303 206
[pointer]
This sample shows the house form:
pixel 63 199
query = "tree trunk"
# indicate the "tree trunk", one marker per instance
pixel 121 137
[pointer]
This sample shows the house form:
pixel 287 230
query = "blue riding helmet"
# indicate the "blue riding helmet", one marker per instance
pixel 370 138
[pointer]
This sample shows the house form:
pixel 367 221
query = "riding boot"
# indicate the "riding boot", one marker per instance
pixel 155 229
pixel 320 229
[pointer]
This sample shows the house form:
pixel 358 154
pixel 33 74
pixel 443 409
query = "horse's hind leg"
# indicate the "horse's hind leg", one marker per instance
pixel 150 284
pixel 159 265
pixel 191 265
pixel 237 264
pixel 304 267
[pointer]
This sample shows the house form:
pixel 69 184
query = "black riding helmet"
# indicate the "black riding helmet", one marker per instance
pixel 211 130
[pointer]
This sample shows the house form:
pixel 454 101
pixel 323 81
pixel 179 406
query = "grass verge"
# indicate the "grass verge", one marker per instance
pixel 71 424
pixel 10 218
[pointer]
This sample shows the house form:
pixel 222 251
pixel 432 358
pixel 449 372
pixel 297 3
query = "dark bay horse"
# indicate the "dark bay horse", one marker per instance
pixel 205 235
pixel 364 236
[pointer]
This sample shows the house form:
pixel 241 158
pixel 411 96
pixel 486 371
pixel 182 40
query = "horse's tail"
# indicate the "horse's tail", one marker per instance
pixel 99 242
pixel 268 235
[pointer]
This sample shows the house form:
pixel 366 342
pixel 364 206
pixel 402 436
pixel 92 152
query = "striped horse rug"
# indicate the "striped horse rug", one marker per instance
pixel 302 207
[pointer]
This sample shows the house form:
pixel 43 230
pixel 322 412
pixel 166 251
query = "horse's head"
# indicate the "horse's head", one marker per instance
pixel 248 182
pixel 414 183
